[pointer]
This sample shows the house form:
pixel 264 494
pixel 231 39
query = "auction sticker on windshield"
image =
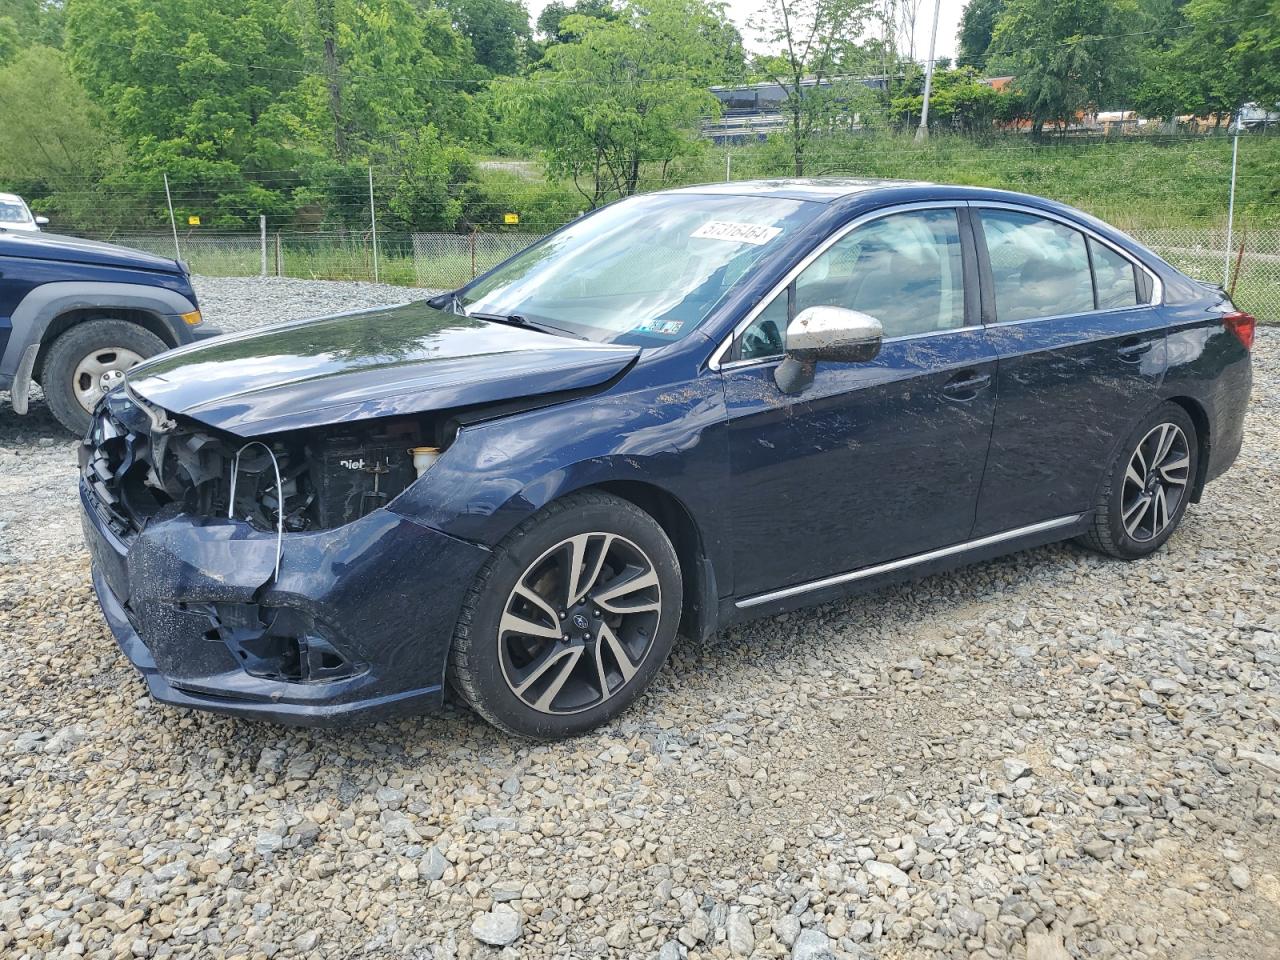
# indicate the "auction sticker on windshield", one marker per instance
pixel 666 328
pixel 736 232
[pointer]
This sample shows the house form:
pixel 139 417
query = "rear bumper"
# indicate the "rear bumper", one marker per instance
pixel 1226 435
pixel 189 601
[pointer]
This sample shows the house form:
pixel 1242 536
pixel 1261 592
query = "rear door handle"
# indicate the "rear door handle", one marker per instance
pixel 965 385
pixel 1131 350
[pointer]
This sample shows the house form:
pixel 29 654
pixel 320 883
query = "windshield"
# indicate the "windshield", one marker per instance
pixel 13 212
pixel 643 271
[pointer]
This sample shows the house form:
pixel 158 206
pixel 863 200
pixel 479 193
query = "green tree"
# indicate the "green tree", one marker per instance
pixel 258 106
pixel 1225 54
pixel 1066 55
pixel 403 67
pixel 498 30
pixel 958 99
pixel 550 21
pixel 29 23
pixel 203 91
pixel 62 141
pixel 10 39
pixel 427 181
pixel 977 24
pixel 622 94
pixel 811 37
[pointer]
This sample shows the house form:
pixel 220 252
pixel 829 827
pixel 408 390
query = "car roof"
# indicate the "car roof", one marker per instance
pixel 817 189
pixel 12 197
pixel 846 191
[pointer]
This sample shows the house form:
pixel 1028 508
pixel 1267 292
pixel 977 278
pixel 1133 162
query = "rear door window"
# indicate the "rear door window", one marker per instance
pixel 1040 267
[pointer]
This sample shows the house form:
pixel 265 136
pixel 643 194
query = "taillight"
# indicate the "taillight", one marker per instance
pixel 1242 325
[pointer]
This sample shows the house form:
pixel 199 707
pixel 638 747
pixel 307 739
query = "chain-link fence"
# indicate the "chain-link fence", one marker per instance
pixel 1251 271
pixel 442 261
pixel 447 260
pixel 308 256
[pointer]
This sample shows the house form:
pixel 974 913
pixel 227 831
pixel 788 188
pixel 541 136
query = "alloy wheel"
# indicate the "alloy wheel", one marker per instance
pixel 100 372
pixel 1155 482
pixel 579 623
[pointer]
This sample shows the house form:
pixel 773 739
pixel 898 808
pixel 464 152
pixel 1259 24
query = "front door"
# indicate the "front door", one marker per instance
pixel 872 461
pixel 1082 355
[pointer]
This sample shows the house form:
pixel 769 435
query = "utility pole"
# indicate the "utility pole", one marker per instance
pixel 923 132
pixel 173 222
pixel 1231 203
pixel 262 227
pixel 728 166
pixel 373 223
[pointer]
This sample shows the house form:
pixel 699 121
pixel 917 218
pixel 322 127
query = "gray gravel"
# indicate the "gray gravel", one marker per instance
pixel 238 303
pixel 1047 756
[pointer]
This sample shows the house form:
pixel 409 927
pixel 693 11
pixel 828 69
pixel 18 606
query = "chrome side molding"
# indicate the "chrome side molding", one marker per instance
pixel 911 561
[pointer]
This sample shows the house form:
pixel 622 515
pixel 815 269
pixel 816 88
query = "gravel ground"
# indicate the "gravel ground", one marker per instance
pixel 1047 756
pixel 238 303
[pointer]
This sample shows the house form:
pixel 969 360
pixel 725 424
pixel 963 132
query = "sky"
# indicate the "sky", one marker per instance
pixel 740 11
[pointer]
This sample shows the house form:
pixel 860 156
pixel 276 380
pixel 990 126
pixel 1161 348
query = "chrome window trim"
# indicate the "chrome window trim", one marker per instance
pixel 1157 285
pixel 865 572
pixel 717 361
pixel 717 358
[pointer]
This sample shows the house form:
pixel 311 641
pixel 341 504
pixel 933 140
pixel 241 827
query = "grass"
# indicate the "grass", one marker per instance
pixel 311 259
pixel 1132 182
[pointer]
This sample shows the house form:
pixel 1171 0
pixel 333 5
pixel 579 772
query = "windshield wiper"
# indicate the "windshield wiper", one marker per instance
pixel 516 320
pixel 513 319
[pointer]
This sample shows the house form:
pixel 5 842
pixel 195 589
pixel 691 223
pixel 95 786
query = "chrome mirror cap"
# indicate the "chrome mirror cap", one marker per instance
pixel 826 333
pixel 834 333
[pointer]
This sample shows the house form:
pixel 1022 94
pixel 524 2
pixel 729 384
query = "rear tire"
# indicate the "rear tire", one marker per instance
pixel 1147 487
pixel 541 651
pixel 86 361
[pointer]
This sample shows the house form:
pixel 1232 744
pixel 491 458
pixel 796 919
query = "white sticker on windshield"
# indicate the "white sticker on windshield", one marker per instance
pixel 736 232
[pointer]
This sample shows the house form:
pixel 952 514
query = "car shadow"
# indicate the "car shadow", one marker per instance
pixel 38 424
pixel 434 742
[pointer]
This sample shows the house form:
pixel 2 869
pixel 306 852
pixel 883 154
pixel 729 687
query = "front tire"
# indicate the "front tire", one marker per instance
pixel 87 361
pixel 569 619
pixel 1148 487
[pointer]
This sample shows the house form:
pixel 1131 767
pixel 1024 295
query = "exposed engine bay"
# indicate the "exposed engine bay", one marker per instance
pixel 308 480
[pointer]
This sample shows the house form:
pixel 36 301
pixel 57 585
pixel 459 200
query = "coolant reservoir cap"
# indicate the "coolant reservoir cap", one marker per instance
pixel 423 457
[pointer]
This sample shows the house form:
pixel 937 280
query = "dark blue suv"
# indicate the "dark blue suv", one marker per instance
pixel 75 314
pixel 686 409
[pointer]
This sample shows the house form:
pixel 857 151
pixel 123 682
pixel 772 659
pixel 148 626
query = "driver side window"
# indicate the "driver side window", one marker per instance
pixel 904 269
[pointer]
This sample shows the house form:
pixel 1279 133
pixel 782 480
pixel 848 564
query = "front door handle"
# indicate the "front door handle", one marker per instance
pixel 1131 350
pixel 966 384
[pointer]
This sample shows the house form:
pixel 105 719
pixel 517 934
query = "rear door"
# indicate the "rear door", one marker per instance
pixel 1081 358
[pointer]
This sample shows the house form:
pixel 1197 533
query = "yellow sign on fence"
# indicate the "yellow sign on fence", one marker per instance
pixel 193 221
pixel 511 218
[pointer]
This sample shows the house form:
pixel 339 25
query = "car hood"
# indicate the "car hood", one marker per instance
pixel 407 359
pixel 51 246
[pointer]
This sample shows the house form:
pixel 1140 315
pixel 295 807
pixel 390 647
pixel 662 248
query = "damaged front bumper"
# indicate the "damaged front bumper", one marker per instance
pixel 357 624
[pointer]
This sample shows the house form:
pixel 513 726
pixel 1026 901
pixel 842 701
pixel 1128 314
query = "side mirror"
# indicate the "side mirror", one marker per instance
pixel 826 333
pixel 42 221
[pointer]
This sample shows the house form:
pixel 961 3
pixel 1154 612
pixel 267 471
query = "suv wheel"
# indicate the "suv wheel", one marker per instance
pixel 569 620
pixel 1148 487
pixel 87 361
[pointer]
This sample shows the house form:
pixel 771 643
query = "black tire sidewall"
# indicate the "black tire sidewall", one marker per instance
pixel 1125 545
pixel 73 346
pixel 496 700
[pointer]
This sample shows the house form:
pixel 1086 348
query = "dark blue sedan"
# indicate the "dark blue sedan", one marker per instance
pixel 686 409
